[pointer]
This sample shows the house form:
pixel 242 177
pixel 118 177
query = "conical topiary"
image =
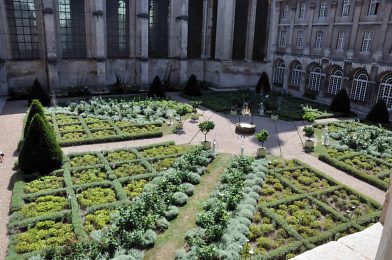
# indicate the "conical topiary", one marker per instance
pixel 192 87
pixel 40 151
pixel 379 113
pixel 263 84
pixel 35 108
pixel 341 102
pixel 156 90
pixel 37 92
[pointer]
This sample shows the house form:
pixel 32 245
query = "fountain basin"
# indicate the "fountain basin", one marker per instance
pixel 245 128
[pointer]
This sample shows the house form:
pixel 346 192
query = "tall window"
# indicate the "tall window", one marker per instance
pixel 385 92
pixel 340 42
pixel 296 75
pixel 323 9
pixel 158 11
pixel 240 28
pixel 319 40
pixel 373 7
pixel 22 28
pixel 335 81
pixel 314 78
pixel 72 29
pixel 300 39
pixel 261 30
pixel 346 8
pixel 117 28
pixel 213 28
pixel 279 70
pixel 285 12
pixel 195 28
pixel 366 42
pixel 359 87
pixel 302 10
pixel 282 38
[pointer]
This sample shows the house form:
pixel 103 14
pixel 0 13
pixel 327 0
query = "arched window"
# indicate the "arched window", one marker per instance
pixel 318 44
pixel 314 77
pixel 279 72
pixel 296 75
pixel 346 8
pixel 340 43
pixel 323 9
pixel 373 7
pixel 359 87
pixel 335 81
pixel 385 92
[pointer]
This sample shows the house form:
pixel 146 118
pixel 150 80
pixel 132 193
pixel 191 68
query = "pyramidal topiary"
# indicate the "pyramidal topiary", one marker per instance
pixel 157 90
pixel 192 87
pixel 35 108
pixel 40 151
pixel 38 92
pixel 341 102
pixel 379 113
pixel 263 84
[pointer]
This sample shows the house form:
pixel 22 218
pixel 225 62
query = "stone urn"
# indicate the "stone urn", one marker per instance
pixel 261 152
pixel 195 116
pixel 274 117
pixel 206 145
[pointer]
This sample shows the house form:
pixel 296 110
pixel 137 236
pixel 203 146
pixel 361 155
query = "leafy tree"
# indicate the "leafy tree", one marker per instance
pixel 379 113
pixel 263 84
pixel 35 108
pixel 205 127
pixel 40 151
pixel 192 87
pixel 156 90
pixel 262 137
pixel 37 92
pixel 309 131
pixel 341 102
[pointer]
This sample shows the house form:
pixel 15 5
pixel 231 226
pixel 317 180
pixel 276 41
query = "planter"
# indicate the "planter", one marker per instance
pixel 233 112
pixel 195 116
pixel 309 144
pixel 206 145
pixel 180 126
pixel 261 152
pixel 274 117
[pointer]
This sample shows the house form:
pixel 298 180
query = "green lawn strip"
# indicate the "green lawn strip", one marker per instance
pixel 168 242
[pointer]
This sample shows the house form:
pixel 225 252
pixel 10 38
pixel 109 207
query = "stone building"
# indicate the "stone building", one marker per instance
pixel 308 47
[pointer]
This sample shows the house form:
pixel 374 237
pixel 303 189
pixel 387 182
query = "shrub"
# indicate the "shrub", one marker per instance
pixel 206 127
pixel 35 108
pixel 309 131
pixel 40 150
pixel 156 90
pixel 37 92
pixel 379 113
pixel 309 116
pixel 341 102
pixel 263 84
pixel 180 199
pixel 262 136
pixel 192 87
pixel 171 213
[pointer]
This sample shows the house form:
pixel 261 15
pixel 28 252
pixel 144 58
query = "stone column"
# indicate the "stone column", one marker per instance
pixel 142 43
pixel 205 30
pixel 354 30
pixel 99 43
pixel 225 29
pixel 286 77
pixel 384 251
pixel 4 49
pixel 181 11
pixel 380 34
pixel 274 15
pixel 329 33
pixel 308 39
pixel 49 30
pixel 250 35
pixel 290 36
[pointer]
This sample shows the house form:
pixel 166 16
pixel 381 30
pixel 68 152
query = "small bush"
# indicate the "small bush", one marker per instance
pixel 180 199
pixel 187 188
pixel 171 213
pixel 341 102
pixel 156 90
pixel 35 108
pixel 192 87
pixel 40 151
pixel 37 92
pixel 379 113
pixel 263 84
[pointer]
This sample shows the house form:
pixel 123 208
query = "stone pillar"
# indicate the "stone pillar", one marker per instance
pixel 384 251
pixel 205 47
pixel 99 43
pixel 250 36
pixel 181 10
pixel 308 39
pixel 49 30
pixel 290 36
pixel 380 34
pixel 329 33
pixel 274 15
pixel 286 80
pixel 4 49
pixel 225 29
pixel 354 30
pixel 142 43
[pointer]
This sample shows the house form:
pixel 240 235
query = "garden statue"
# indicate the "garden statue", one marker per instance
pixel 325 136
pixel 261 111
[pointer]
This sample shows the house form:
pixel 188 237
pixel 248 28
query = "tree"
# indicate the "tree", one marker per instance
pixel 205 127
pixel 192 87
pixel 37 92
pixel 309 131
pixel 156 90
pixel 379 113
pixel 40 151
pixel 263 84
pixel 341 102
pixel 262 136
pixel 35 108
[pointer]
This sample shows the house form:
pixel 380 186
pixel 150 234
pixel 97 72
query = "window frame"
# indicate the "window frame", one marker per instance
pixel 385 90
pixel 374 6
pixel 323 9
pixel 366 42
pixel 335 81
pixel 300 39
pixel 346 8
pixel 359 86
pixel 282 38
pixel 340 42
pixel 318 43
pixel 302 10
pixel 315 76
pixel 279 71
pixel 296 75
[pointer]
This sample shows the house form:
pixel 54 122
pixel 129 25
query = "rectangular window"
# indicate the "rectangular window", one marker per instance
pixel 261 30
pixel 300 39
pixel 319 40
pixel 23 32
pixel 323 9
pixel 346 8
pixel 282 38
pixel 195 28
pixel 340 43
pixel 240 28
pixel 117 13
pixel 72 29
pixel 285 12
pixel 366 42
pixel 373 7
pixel 158 11
pixel 302 10
pixel 213 27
